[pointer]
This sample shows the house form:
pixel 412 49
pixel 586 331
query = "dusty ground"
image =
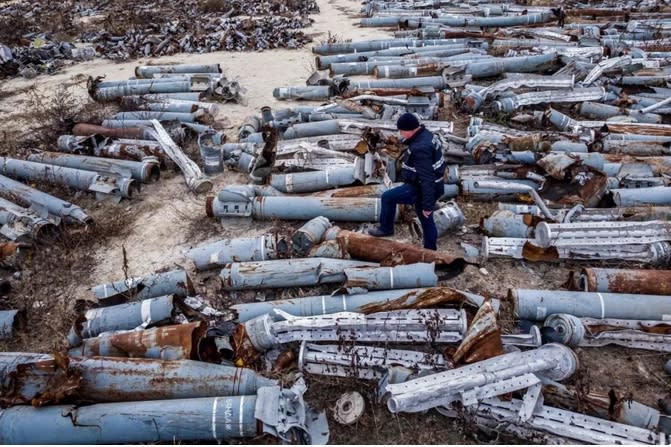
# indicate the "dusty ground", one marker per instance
pixel 165 220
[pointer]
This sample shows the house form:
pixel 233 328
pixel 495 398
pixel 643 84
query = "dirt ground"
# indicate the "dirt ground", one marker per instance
pixel 151 233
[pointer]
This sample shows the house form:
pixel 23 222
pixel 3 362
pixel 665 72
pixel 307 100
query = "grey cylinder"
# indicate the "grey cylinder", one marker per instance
pixel 313 129
pixel 309 235
pixel 175 282
pixel 658 195
pixel 148 71
pixel 119 423
pixel 329 304
pixel 301 182
pixel 397 277
pixel 75 178
pixel 220 253
pixel 121 317
pixel 146 171
pixel 539 304
pixel 308 93
pixel 286 273
pixel 57 207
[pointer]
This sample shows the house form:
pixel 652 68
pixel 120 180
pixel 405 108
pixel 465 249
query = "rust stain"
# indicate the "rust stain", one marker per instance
pixel 52 381
pixel 382 92
pixel 641 129
pixel 533 142
pixel 370 191
pixel 244 351
pixel 598 12
pixel 427 299
pixel 390 253
pixel 647 282
pixel 85 129
pixel 609 406
pixel 185 337
pixel 660 329
pixel 538 254
pixel 482 339
pixel 284 361
pixel 8 249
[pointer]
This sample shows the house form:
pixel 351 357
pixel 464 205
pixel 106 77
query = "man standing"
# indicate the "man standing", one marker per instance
pixel 422 173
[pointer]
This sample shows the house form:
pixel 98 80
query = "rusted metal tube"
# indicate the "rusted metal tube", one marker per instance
pixel 649 282
pixel 110 379
pixel 121 317
pixel 86 129
pixel 175 342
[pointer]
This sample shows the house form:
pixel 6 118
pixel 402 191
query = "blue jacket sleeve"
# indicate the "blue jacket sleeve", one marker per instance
pixel 424 165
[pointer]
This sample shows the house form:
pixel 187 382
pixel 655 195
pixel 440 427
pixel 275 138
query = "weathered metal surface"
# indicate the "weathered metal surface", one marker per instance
pixel 388 252
pixel 75 178
pixel 538 304
pixel 121 317
pixel 593 332
pixel 309 235
pixel 482 339
pixel 175 342
pixel 488 378
pixel 176 282
pixel 649 282
pixel 195 179
pixel 41 379
pixel 366 303
pixel 220 253
pixel 19 223
pixel 363 362
pixel 397 277
pixel 611 406
pixel 399 326
pixel 170 420
pixel 295 272
pixel 145 171
pixel 42 201
pixel 557 426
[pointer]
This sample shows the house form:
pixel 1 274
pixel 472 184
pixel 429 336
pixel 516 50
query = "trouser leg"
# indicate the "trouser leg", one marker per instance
pixel 404 194
pixel 428 228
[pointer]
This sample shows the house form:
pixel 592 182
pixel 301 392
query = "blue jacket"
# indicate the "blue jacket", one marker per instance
pixel 423 166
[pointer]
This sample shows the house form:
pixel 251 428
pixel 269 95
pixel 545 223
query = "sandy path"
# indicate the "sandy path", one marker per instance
pixel 167 216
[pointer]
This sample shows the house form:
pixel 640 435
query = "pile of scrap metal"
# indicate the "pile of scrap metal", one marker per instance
pixel 135 142
pixel 132 365
pixel 112 30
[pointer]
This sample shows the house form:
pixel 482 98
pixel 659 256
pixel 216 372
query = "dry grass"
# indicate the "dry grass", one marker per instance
pixel 45 286
pixel 51 115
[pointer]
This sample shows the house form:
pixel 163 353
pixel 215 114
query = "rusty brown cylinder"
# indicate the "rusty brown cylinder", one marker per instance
pixel 175 342
pixel 647 282
pixel 84 129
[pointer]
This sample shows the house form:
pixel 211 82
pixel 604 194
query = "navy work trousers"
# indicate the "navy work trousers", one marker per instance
pixel 407 194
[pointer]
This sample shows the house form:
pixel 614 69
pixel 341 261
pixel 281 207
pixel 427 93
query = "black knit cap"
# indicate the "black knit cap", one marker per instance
pixel 407 121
